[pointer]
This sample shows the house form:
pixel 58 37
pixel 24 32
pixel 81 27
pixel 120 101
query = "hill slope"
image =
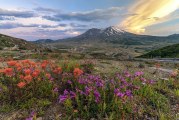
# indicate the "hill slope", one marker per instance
pixel 165 52
pixel 7 41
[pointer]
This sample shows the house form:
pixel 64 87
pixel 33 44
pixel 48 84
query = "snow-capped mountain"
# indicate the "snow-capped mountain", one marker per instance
pixel 115 35
pixel 112 31
pixel 107 31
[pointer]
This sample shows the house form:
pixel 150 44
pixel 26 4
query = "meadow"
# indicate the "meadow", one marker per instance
pixel 86 89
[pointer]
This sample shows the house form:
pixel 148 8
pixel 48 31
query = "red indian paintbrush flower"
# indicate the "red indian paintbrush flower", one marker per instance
pixel 21 84
pixel 12 63
pixel 48 75
pixel 58 70
pixel 36 73
pixel 28 78
pixel 8 71
pixel 77 72
pixel 27 71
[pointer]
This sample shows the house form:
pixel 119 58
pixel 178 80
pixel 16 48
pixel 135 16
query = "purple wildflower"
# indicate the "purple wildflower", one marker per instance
pixel 51 78
pixel 72 94
pixel 87 90
pixel 63 98
pixel 127 74
pixel 69 82
pixel 99 84
pixel 65 92
pixel 139 73
pixel 151 82
pixel 116 90
pixel 97 96
pixel 32 115
pixel 128 93
pixel 30 118
pixel 80 91
pixel 55 89
pixel 120 94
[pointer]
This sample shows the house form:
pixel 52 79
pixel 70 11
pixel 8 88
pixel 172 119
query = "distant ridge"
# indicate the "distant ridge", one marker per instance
pixel 41 41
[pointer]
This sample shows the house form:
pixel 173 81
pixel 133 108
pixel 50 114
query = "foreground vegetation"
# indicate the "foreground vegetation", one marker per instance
pixel 165 52
pixel 81 93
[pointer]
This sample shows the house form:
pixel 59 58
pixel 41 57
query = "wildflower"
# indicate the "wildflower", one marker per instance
pixel 72 94
pixel 44 64
pixel 120 94
pixel 97 96
pixel 69 82
pixel 35 73
pixel 58 70
pixel 48 75
pixel 127 74
pixel 21 84
pixel 21 77
pixel 55 89
pixel 65 92
pixel 128 93
pixel 63 98
pixel 77 72
pixel 18 65
pixel 8 72
pixel 27 71
pixel 138 73
pixel 116 90
pixel 25 62
pixel 28 78
pixel 143 81
pixel 32 116
pixel 19 68
pixel 99 84
pixel 12 63
pixel 151 82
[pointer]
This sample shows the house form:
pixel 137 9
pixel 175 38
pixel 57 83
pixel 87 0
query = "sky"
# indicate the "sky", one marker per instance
pixel 58 19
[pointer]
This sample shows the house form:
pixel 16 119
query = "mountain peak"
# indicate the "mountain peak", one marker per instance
pixel 110 31
pixel 113 30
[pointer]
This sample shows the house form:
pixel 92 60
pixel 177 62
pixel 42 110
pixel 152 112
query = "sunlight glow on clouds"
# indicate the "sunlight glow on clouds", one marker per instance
pixel 149 12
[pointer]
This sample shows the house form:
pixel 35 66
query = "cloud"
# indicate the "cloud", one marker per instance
pixel 7 18
pixel 95 15
pixel 49 10
pixel 17 25
pixel 15 13
pixel 147 13
pixel 77 25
